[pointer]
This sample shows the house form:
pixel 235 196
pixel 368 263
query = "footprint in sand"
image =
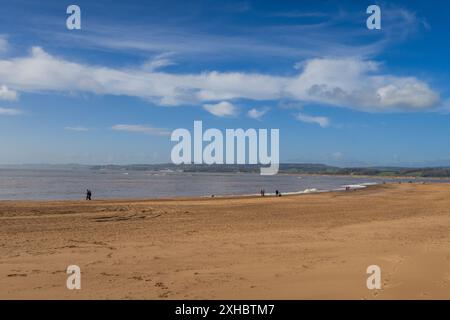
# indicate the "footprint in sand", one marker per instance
pixel 161 285
pixel 17 275
pixel 58 271
pixel 109 274
pixel 164 295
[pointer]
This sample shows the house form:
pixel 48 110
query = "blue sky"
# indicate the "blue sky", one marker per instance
pixel 111 92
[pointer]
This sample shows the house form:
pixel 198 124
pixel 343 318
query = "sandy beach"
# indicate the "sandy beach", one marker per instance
pixel 314 246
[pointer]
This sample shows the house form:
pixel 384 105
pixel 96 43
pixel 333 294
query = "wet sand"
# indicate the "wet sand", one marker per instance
pixel 314 246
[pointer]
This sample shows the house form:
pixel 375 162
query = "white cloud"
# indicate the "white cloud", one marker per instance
pixel 160 61
pixel 222 109
pixel 137 128
pixel 7 94
pixel 257 113
pixel 406 93
pixel 356 84
pixel 349 83
pixel 10 112
pixel 77 128
pixel 321 121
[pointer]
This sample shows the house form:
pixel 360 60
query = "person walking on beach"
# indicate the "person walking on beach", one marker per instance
pixel 88 194
pixel 263 192
pixel 276 193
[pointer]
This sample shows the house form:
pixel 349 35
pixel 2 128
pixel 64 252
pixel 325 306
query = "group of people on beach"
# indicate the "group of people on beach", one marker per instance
pixel 263 191
pixel 263 194
pixel 277 193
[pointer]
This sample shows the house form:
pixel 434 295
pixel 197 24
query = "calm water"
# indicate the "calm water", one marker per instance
pixel 71 184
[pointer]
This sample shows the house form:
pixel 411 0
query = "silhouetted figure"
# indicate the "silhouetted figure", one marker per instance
pixel 263 192
pixel 88 194
pixel 277 193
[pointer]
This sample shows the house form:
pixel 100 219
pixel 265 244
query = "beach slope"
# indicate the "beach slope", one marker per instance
pixel 314 246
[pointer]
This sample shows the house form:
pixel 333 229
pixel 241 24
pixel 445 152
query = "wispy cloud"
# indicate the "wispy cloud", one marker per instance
pixel 335 34
pixel 7 94
pixel 137 128
pixel 222 109
pixel 257 114
pixel 321 121
pixel 159 62
pixel 295 34
pixel 10 112
pixel 4 44
pixel 77 128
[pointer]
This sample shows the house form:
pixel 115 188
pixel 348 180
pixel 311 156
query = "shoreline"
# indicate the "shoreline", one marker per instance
pixel 310 185
pixel 366 176
pixel 354 187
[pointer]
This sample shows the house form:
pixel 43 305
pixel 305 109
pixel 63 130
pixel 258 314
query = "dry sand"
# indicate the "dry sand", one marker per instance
pixel 297 247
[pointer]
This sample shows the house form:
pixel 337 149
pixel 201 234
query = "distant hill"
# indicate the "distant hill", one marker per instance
pixel 294 168
pixel 299 168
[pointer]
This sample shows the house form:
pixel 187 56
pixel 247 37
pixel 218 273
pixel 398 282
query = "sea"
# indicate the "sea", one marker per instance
pixel 71 184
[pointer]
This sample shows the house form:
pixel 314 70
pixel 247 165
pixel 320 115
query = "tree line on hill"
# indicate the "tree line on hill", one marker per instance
pixel 294 168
